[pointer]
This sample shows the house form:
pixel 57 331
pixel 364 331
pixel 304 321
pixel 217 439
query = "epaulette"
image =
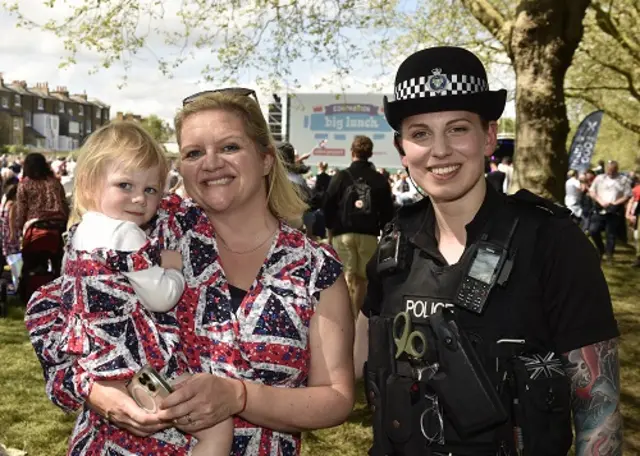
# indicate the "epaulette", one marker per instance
pixel 526 197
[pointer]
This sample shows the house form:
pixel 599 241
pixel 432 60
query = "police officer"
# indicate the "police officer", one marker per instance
pixel 485 313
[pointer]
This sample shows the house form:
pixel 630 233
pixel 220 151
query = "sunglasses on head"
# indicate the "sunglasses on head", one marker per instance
pixel 241 91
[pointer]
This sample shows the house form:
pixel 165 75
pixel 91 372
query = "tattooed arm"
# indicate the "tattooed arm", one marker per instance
pixel 595 382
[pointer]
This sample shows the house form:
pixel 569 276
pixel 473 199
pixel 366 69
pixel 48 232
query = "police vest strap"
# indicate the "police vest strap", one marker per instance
pixel 500 229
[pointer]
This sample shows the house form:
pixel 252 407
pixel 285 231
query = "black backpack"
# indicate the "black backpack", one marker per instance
pixel 356 206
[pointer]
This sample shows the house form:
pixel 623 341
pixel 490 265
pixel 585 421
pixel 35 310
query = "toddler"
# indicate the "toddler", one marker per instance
pixel 121 321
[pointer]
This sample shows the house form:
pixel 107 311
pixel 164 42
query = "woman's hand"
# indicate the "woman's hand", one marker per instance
pixel 202 401
pixel 171 259
pixel 111 400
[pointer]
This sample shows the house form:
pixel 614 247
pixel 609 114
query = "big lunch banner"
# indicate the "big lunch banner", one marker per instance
pixel 584 142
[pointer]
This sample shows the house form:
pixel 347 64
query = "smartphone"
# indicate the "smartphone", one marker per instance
pixel 148 388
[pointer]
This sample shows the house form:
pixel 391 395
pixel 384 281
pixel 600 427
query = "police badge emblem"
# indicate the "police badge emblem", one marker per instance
pixel 437 82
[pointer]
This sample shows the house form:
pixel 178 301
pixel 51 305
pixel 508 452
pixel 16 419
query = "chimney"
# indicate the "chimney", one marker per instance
pixel 22 84
pixel 62 90
pixel 43 87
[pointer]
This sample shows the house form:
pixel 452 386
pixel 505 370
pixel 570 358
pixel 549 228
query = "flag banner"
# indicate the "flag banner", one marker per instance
pixel 584 142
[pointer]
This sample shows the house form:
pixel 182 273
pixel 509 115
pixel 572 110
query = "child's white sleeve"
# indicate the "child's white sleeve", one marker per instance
pixel 159 289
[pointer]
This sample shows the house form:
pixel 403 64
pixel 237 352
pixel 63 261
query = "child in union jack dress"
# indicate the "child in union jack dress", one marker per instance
pixel 118 321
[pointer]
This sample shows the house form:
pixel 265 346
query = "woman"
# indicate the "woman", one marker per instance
pixel 40 194
pixel 265 316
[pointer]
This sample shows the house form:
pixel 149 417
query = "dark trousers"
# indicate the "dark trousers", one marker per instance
pixel 610 224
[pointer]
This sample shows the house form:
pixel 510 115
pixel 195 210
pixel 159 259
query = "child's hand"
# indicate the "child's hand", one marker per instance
pixel 171 259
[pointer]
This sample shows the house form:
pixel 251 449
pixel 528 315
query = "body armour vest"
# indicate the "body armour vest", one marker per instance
pixel 409 417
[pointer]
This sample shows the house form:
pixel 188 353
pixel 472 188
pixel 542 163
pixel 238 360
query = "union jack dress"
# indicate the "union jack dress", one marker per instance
pixel 106 327
pixel 102 328
pixel 265 340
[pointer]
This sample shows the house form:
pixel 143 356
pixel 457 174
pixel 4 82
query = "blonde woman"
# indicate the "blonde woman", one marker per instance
pixel 265 315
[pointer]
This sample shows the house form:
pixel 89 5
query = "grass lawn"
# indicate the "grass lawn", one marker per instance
pixel 28 421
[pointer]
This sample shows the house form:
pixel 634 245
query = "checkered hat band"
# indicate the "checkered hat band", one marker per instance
pixel 440 85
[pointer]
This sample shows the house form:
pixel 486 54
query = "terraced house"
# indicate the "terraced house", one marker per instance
pixel 45 119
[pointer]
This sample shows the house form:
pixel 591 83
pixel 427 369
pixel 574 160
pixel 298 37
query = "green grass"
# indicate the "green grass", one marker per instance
pixel 28 421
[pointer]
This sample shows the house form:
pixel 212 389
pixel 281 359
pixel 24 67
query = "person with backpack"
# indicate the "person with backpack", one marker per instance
pixel 357 205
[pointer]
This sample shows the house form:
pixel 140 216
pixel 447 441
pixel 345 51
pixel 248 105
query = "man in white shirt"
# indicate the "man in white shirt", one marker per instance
pixel 507 168
pixel 610 191
pixel 573 194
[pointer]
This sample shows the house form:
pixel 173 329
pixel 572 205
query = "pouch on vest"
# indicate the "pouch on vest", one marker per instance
pixel 398 405
pixel 462 382
pixel 377 369
pixel 543 413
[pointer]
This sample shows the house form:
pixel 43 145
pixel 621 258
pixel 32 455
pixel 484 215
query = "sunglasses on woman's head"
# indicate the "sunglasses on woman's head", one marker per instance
pixel 241 91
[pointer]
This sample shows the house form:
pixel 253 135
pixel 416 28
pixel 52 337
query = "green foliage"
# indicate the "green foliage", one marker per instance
pixel 16 149
pixel 261 35
pixel 605 75
pixel 158 128
pixel 617 143
pixel 507 125
pixel 605 71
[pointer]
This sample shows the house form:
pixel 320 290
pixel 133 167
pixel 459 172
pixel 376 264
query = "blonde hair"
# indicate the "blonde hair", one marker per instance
pixel 124 143
pixel 283 199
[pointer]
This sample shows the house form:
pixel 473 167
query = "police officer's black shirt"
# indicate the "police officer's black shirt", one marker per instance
pixel 576 300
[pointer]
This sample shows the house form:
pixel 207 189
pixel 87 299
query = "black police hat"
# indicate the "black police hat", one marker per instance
pixel 442 78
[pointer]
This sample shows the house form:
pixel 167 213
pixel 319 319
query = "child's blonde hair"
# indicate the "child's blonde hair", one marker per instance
pixel 124 143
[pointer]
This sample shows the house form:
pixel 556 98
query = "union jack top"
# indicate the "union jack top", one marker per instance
pixel 265 340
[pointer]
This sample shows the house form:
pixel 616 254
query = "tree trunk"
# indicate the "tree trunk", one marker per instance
pixel 543 39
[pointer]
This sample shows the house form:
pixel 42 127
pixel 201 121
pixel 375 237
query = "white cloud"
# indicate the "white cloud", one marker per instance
pixel 34 56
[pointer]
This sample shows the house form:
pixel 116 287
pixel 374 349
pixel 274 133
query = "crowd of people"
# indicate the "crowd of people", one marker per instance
pixel 242 281
pixel 605 200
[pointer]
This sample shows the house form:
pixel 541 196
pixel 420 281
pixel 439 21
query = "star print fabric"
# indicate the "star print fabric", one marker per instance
pixel 107 334
pixel 266 340
pixel 106 326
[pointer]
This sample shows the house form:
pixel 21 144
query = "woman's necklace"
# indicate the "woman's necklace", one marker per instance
pixel 253 249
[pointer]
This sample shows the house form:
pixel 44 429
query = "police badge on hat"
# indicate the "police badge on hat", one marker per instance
pixel 443 78
pixel 437 81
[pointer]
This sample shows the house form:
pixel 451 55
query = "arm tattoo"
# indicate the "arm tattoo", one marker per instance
pixel 595 383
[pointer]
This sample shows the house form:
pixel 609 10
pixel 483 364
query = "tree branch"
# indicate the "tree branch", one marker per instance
pixel 620 119
pixel 492 19
pixel 624 73
pixel 622 89
pixel 607 25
